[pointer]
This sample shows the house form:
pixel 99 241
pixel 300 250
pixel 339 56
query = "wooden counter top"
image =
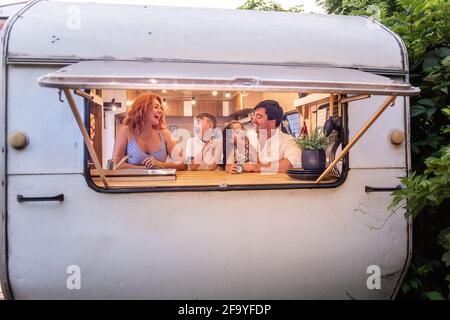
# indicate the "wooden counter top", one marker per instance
pixel 205 178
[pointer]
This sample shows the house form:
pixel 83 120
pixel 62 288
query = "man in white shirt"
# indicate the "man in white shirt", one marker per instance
pixel 276 151
pixel 204 150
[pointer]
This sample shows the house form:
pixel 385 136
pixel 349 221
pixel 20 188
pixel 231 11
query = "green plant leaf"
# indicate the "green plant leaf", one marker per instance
pixel 446 61
pixel 446 258
pixel 316 140
pixel 427 102
pixel 406 288
pixel 431 111
pixel 434 295
pixel 414 284
pixel 417 110
pixel 446 111
pixel 443 52
pixel 432 77
pixel 430 63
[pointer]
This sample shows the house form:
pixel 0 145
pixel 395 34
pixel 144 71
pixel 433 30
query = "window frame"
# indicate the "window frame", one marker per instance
pixel 216 76
pixel 150 189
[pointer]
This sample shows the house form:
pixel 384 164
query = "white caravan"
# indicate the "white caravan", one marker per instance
pixel 72 230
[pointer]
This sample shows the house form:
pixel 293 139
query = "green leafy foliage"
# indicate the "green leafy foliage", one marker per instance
pixel 422 195
pixel 264 5
pixel 428 189
pixel 316 140
pixel 434 295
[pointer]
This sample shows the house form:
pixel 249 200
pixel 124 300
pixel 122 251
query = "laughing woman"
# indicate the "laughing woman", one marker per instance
pixel 144 137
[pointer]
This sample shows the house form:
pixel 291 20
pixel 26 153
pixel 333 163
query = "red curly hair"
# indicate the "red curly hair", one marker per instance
pixel 140 108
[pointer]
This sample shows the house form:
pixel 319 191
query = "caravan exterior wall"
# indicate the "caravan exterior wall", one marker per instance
pixel 254 244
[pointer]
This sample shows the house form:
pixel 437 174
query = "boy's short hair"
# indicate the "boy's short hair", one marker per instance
pixel 273 110
pixel 212 118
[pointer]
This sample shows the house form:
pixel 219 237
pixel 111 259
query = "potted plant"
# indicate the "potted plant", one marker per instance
pixel 313 147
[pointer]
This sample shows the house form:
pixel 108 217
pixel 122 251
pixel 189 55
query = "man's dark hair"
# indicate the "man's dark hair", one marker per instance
pixel 273 110
pixel 210 117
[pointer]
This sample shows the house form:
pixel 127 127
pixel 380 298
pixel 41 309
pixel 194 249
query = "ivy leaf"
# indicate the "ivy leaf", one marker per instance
pixel 433 77
pixel 446 258
pixel 434 295
pixel 427 102
pixel 443 52
pixel 417 110
pixel 430 63
pixel 446 61
pixel 405 288
pixel 431 111
pixel 446 111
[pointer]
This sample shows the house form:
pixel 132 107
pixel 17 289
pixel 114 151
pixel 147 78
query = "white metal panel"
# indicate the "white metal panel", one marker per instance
pixel 3 276
pixel 56 144
pixel 7 10
pixel 109 122
pixel 137 32
pixel 206 76
pixel 374 150
pixel 270 244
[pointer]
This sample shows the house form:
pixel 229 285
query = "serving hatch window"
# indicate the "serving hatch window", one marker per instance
pixel 187 126
pixel 216 139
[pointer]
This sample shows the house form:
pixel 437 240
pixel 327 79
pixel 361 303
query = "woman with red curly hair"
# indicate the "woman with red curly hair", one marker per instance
pixel 144 137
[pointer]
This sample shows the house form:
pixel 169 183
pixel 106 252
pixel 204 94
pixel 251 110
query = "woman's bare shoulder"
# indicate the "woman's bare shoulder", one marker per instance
pixel 124 131
pixel 167 135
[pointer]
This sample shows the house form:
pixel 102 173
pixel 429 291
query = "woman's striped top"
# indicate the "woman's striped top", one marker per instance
pixel 137 155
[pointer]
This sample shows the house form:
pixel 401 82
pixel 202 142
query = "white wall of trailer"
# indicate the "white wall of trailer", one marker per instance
pixel 64 30
pixel 109 125
pixel 56 145
pixel 293 244
pixel 374 149
pixel 286 244
pixel 251 244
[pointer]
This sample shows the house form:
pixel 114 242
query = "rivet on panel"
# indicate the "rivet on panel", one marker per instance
pixel 18 140
pixel 396 137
